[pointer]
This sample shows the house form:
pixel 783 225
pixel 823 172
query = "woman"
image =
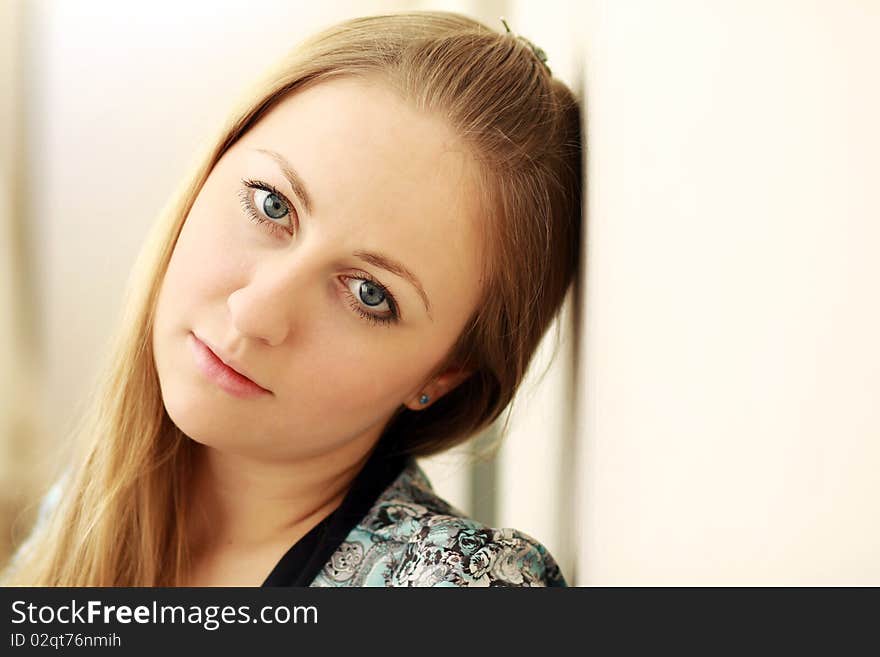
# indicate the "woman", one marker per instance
pixel 357 273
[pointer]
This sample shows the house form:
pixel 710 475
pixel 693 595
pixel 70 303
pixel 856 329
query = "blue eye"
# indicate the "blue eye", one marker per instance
pixel 272 204
pixel 371 294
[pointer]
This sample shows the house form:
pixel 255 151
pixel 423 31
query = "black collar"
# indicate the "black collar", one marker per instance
pixel 302 562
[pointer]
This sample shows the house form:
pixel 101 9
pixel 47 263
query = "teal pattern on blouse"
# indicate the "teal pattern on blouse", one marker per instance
pixel 413 537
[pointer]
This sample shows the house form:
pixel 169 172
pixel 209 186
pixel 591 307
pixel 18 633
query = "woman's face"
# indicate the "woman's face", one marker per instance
pixel 283 289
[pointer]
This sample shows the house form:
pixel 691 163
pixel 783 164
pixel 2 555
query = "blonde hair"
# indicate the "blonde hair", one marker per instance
pixel 121 519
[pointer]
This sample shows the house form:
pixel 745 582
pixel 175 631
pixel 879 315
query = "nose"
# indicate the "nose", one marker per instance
pixel 262 310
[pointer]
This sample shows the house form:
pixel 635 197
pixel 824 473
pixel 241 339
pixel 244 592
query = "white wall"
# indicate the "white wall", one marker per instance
pixel 730 427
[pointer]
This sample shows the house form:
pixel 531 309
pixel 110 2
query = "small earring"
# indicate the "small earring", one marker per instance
pixel 424 399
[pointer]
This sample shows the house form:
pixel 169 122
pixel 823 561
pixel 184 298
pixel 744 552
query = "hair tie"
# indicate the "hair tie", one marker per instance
pixel 539 53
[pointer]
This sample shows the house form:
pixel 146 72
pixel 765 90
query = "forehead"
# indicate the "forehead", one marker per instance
pixel 389 177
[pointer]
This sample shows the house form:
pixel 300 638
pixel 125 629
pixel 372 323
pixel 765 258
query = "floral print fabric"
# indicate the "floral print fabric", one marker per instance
pixel 412 537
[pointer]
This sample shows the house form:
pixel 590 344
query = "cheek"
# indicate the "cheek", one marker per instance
pixel 197 269
pixel 192 283
pixel 361 378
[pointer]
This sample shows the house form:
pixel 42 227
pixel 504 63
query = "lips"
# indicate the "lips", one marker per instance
pixel 221 373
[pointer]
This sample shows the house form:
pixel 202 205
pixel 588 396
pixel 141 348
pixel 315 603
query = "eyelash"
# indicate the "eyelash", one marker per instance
pixel 277 229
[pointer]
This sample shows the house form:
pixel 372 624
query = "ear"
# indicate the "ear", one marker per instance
pixel 438 386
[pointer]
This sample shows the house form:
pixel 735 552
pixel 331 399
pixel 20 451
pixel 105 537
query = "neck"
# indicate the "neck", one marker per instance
pixel 242 503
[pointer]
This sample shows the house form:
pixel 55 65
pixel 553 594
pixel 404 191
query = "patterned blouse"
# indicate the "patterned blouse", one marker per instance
pixel 412 537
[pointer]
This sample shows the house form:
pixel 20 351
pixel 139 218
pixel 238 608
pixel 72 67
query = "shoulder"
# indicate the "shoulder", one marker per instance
pixel 47 505
pixel 455 551
pixel 413 537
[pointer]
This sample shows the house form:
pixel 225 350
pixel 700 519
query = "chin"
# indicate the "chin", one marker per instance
pixel 193 412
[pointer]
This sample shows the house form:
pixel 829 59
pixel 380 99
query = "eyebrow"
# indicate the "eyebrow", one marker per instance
pixel 397 268
pixel 376 259
pixel 296 183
